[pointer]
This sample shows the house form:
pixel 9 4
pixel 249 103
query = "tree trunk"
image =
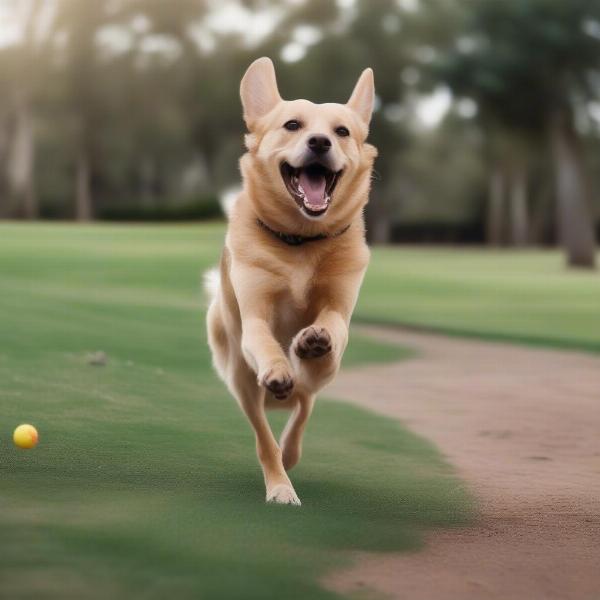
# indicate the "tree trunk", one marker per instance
pixel 575 217
pixel 541 223
pixel 83 195
pixel 495 209
pixel 518 213
pixel 20 162
pixel 147 182
pixel 4 150
pixel 378 223
pixel 378 229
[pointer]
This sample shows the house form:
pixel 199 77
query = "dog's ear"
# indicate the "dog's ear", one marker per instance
pixel 258 90
pixel 363 96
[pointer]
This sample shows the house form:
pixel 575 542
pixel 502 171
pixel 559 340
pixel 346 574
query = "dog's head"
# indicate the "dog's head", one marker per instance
pixel 306 162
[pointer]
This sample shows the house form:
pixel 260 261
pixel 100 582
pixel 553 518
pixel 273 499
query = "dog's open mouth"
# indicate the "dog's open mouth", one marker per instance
pixel 310 186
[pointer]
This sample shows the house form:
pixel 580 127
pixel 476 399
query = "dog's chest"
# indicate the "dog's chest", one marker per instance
pixel 293 309
pixel 299 282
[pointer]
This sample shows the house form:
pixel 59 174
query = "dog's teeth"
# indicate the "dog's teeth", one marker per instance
pixel 301 190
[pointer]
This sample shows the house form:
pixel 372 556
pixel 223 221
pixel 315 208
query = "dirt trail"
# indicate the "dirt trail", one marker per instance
pixel 522 427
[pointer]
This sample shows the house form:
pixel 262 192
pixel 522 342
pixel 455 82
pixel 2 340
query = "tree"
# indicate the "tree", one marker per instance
pixel 527 63
pixel 23 66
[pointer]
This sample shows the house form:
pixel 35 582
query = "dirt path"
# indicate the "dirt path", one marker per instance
pixel 522 427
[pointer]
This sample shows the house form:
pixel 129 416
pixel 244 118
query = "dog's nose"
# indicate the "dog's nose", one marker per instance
pixel 319 144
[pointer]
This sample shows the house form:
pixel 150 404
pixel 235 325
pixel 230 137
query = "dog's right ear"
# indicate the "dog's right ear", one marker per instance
pixel 258 90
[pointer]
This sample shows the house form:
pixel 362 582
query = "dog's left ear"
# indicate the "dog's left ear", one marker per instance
pixel 258 90
pixel 363 96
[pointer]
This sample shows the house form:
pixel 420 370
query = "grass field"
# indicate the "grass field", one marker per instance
pixel 526 297
pixel 145 483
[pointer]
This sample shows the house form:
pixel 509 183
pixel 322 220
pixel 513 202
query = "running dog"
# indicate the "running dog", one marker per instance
pixel 294 260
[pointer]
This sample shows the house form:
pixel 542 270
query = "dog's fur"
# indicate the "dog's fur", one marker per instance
pixel 279 314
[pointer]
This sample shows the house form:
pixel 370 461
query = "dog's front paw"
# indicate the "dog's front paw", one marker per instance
pixel 312 342
pixel 278 381
pixel 283 494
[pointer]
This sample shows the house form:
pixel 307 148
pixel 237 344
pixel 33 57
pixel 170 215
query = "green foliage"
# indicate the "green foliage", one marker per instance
pixel 441 197
pixel 202 210
pixel 523 59
pixel 145 483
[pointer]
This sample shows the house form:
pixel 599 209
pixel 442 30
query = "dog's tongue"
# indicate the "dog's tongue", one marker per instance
pixel 314 189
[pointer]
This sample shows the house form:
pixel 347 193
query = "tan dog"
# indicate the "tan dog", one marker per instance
pixel 293 261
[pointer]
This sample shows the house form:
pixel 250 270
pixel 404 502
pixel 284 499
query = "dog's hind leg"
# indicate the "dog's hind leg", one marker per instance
pixel 251 397
pixel 217 338
pixel 291 438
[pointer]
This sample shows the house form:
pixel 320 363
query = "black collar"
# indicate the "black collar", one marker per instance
pixel 297 240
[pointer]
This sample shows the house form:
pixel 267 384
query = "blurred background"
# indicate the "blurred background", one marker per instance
pixel 487 185
pixel 487 116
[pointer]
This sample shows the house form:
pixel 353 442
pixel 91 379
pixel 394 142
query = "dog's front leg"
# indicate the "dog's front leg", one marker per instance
pixel 317 350
pixel 266 357
pixel 255 291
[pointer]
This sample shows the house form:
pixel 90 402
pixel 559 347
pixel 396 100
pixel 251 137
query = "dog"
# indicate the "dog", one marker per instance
pixel 293 262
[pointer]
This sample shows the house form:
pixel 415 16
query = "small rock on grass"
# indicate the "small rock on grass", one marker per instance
pixel 97 359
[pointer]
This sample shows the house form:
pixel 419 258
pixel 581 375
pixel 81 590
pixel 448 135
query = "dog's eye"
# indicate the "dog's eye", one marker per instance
pixel 342 131
pixel 292 125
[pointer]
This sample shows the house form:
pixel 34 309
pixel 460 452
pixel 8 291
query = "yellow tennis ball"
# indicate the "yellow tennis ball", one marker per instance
pixel 25 436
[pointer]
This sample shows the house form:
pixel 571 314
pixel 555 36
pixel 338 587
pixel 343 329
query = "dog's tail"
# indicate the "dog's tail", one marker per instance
pixel 228 199
pixel 212 281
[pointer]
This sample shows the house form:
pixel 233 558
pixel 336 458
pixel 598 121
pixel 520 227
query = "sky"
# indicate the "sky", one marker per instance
pixel 9 31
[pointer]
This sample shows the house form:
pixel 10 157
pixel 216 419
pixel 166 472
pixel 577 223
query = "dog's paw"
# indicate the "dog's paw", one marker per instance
pixel 312 342
pixel 278 381
pixel 283 494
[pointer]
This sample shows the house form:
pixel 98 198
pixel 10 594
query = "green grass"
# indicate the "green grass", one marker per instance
pixel 525 297
pixel 145 483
